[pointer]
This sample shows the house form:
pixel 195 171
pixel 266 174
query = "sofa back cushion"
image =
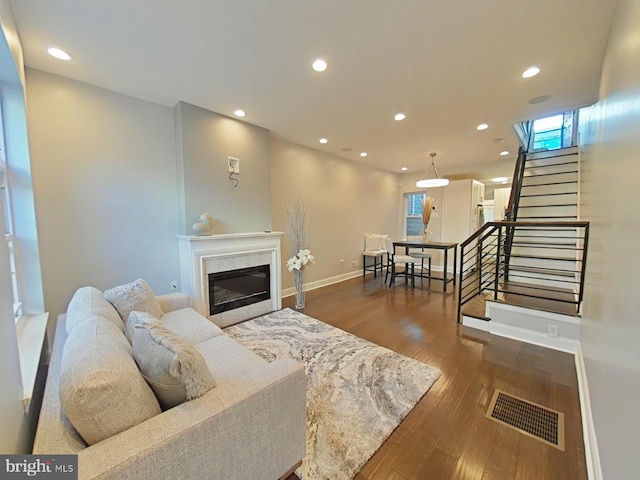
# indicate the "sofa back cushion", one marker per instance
pixel 101 389
pixel 88 302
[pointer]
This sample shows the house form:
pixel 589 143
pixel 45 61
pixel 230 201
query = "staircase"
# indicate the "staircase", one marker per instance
pixel 528 272
pixel 549 189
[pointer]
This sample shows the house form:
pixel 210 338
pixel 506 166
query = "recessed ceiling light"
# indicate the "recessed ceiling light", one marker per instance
pixel 500 179
pixel 504 152
pixel 363 154
pixel 323 140
pixel 239 113
pixel 319 65
pixel 404 169
pixel 399 117
pixel 530 72
pixel 59 54
pixel 482 126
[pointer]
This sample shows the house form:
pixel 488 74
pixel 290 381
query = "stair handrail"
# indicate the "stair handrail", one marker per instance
pixel 511 212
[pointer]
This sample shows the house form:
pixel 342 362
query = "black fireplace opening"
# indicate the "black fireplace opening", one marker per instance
pixel 238 288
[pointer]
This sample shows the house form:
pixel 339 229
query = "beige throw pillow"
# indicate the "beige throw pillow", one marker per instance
pixel 174 369
pixel 136 295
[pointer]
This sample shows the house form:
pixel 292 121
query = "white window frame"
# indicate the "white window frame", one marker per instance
pixel 405 211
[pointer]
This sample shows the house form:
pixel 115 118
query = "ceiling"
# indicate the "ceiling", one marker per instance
pixel 448 65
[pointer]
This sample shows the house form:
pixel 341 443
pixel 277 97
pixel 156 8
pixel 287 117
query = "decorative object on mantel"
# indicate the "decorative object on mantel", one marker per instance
pixel 297 244
pixel 204 226
pixel 432 180
pixel 427 208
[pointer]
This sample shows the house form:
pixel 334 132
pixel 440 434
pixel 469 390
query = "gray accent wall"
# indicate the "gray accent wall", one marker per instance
pixel 204 141
pixel 104 177
pixel 610 141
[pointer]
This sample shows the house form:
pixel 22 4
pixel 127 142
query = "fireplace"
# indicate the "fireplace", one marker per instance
pixel 232 277
pixel 237 288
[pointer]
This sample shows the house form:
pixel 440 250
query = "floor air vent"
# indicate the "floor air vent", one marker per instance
pixel 533 420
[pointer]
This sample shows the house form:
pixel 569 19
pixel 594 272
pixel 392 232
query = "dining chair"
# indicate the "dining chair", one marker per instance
pixel 373 247
pixel 394 259
pixel 422 255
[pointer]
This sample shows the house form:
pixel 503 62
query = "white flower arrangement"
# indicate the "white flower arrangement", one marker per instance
pixel 300 259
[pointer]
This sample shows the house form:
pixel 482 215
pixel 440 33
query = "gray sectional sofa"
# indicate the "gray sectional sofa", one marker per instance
pixel 250 426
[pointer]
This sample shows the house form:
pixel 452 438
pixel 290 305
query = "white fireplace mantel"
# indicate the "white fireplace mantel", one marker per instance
pixel 201 255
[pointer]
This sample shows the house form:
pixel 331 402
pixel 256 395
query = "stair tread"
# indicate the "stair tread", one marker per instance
pixel 552 217
pixel 547 165
pixel 550 205
pixel 547 184
pixel 535 175
pixel 539 257
pixel 558 272
pixel 547 194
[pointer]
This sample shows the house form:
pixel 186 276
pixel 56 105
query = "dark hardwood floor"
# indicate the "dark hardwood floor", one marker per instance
pixel 447 436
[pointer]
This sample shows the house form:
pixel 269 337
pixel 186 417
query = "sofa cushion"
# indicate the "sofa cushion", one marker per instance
pixel 190 325
pixel 136 295
pixel 172 366
pixel 136 318
pixel 227 359
pixel 88 302
pixel 101 389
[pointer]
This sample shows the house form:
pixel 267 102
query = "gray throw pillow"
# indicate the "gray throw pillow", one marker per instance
pixel 136 318
pixel 136 295
pixel 172 366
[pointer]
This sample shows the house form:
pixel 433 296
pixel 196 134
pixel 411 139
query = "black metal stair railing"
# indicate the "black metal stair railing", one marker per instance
pixel 535 264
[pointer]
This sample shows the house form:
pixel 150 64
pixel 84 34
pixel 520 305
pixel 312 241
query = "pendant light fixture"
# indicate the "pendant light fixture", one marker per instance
pixel 430 180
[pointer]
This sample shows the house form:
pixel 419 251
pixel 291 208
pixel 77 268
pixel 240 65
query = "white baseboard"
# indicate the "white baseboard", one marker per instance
pixel 592 456
pixel 557 343
pixel 288 292
pixel 476 323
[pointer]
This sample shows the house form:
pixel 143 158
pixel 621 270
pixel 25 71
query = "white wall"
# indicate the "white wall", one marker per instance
pixel 611 325
pixel 344 200
pixel 204 141
pixel 104 176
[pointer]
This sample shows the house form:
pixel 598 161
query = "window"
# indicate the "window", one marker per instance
pixel 552 133
pixel 413 217
pixel 8 226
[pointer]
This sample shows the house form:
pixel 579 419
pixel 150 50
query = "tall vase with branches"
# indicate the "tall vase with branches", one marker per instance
pixel 298 247
pixel 427 208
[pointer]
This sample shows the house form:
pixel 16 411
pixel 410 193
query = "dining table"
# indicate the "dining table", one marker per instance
pixel 431 245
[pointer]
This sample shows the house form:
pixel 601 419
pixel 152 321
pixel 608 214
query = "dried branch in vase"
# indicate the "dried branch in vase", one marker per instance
pixel 297 227
pixel 427 208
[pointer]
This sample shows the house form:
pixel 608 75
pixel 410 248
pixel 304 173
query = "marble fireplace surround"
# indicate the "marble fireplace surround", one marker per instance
pixel 202 255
